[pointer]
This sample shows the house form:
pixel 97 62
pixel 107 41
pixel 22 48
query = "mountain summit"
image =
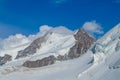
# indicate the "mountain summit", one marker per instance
pixel 83 43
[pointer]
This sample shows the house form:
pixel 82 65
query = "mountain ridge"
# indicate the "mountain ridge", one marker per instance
pixel 101 61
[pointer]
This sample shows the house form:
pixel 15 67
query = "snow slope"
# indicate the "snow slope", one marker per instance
pixel 107 45
pixel 106 58
pixel 67 70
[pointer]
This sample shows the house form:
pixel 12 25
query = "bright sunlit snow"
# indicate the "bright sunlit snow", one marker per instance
pixel 101 62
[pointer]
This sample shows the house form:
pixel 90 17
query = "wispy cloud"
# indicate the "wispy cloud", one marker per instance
pixel 117 1
pixel 93 28
pixel 58 2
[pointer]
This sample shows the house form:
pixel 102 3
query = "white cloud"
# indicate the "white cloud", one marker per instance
pixel 93 28
pixel 44 28
pixel 17 40
pixel 14 41
pixel 42 31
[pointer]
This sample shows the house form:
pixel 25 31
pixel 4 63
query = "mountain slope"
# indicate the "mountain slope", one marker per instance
pixel 100 62
pixel 106 58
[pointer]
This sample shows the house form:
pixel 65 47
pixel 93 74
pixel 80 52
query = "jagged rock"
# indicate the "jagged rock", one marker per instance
pixel 44 61
pixel 39 63
pixel 62 57
pixel 31 49
pixel 5 59
pixel 117 46
pixel 83 43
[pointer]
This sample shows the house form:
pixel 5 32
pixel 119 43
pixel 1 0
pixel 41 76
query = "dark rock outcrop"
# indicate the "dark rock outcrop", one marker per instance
pixel 5 59
pixel 39 63
pixel 44 61
pixel 83 43
pixel 62 57
pixel 31 49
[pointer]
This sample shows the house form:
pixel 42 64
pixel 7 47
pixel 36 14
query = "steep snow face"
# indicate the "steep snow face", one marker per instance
pixel 106 63
pixel 111 38
pixel 107 45
pixel 57 43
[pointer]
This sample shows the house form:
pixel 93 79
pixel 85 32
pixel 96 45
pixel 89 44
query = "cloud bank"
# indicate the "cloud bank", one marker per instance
pixel 17 40
pixel 93 28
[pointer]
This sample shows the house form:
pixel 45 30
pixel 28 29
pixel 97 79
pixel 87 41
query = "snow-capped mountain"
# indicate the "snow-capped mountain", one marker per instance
pixel 57 44
pixel 63 48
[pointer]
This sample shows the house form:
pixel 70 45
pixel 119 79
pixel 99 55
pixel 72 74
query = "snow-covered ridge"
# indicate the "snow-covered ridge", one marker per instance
pixel 15 43
pixel 107 45
pixel 52 41
pixel 56 44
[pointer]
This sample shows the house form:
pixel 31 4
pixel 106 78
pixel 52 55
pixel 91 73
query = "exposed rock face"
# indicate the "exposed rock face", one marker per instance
pixel 39 63
pixel 31 49
pixel 44 61
pixel 5 59
pixel 83 43
pixel 62 57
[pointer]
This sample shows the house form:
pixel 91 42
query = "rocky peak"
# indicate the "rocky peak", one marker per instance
pixel 81 35
pixel 83 43
pixel 5 59
pixel 32 48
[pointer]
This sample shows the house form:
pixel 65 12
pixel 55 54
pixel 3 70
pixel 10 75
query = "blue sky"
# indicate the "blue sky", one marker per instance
pixel 25 16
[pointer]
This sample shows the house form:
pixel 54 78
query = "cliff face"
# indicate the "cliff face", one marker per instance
pixel 83 43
